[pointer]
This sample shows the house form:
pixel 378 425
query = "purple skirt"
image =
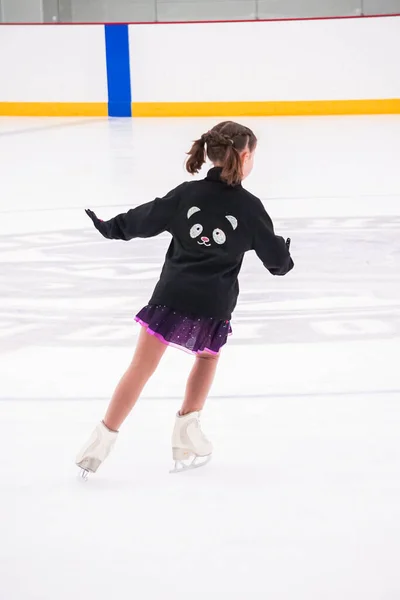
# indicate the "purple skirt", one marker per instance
pixel 192 334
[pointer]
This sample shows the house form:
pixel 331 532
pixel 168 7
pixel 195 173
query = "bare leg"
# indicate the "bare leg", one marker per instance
pixel 148 353
pixel 199 382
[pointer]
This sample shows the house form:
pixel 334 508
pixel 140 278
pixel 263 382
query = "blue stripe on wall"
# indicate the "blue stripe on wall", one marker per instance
pixel 118 71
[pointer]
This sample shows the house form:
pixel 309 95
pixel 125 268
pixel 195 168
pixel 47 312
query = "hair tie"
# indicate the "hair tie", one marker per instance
pixel 230 140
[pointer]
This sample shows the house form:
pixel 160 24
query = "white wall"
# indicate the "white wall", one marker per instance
pixel 52 64
pixel 298 60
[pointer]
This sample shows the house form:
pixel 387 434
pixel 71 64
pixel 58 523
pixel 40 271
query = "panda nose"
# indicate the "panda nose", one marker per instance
pixel 205 239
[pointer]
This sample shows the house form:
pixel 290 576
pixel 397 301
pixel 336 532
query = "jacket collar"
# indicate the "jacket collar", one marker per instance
pixel 214 174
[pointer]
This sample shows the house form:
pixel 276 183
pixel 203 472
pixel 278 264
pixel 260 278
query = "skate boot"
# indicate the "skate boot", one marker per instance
pixel 96 450
pixel 190 447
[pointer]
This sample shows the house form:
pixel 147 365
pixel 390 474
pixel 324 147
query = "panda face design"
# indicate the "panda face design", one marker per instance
pixel 218 235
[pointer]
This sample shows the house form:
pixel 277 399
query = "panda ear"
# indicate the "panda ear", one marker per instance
pixel 192 211
pixel 232 221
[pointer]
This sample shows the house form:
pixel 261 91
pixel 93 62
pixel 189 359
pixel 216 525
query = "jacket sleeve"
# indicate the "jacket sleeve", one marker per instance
pixel 144 221
pixel 271 249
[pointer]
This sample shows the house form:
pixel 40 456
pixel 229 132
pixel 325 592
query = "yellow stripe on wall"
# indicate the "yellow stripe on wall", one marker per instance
pixel 266 109
pixel 206 109
pixel 54 109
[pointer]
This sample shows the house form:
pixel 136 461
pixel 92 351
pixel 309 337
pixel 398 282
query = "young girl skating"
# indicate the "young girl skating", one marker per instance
pixel 213 222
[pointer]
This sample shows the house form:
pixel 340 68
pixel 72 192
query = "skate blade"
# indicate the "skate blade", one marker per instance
pixel 181 467
pixel 83 474
pixel 87 466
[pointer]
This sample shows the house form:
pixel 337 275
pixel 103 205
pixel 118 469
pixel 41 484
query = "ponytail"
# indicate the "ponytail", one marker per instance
pixel 197 156
pixel 232 170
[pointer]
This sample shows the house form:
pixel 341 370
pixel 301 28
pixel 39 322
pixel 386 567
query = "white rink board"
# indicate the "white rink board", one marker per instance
pixel 53 64
pixel 266 61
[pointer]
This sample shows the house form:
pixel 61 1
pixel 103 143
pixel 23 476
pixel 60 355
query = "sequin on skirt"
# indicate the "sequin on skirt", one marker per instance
pixel 191 334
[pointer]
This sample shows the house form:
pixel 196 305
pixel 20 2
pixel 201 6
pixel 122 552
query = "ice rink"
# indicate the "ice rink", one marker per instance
pixel 302 498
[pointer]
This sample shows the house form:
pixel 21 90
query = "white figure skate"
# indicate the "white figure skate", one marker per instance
pixel 190 447
pixel 96 450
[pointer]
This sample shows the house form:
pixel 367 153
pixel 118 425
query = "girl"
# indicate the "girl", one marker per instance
pixel 213 222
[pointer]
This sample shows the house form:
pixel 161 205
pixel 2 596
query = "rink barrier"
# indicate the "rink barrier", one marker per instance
pixel 294 108
pixel 117 89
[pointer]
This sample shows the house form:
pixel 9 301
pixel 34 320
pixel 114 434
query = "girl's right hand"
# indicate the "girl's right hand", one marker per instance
pixel 98 223
pixel 92 215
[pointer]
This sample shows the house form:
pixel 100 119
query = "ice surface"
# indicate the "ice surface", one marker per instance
pixel 302 498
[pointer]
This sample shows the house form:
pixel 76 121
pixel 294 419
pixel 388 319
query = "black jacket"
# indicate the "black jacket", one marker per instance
pixel 212 225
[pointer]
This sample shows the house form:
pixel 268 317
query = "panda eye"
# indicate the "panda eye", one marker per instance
pixel 196 230
pixel 219 236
